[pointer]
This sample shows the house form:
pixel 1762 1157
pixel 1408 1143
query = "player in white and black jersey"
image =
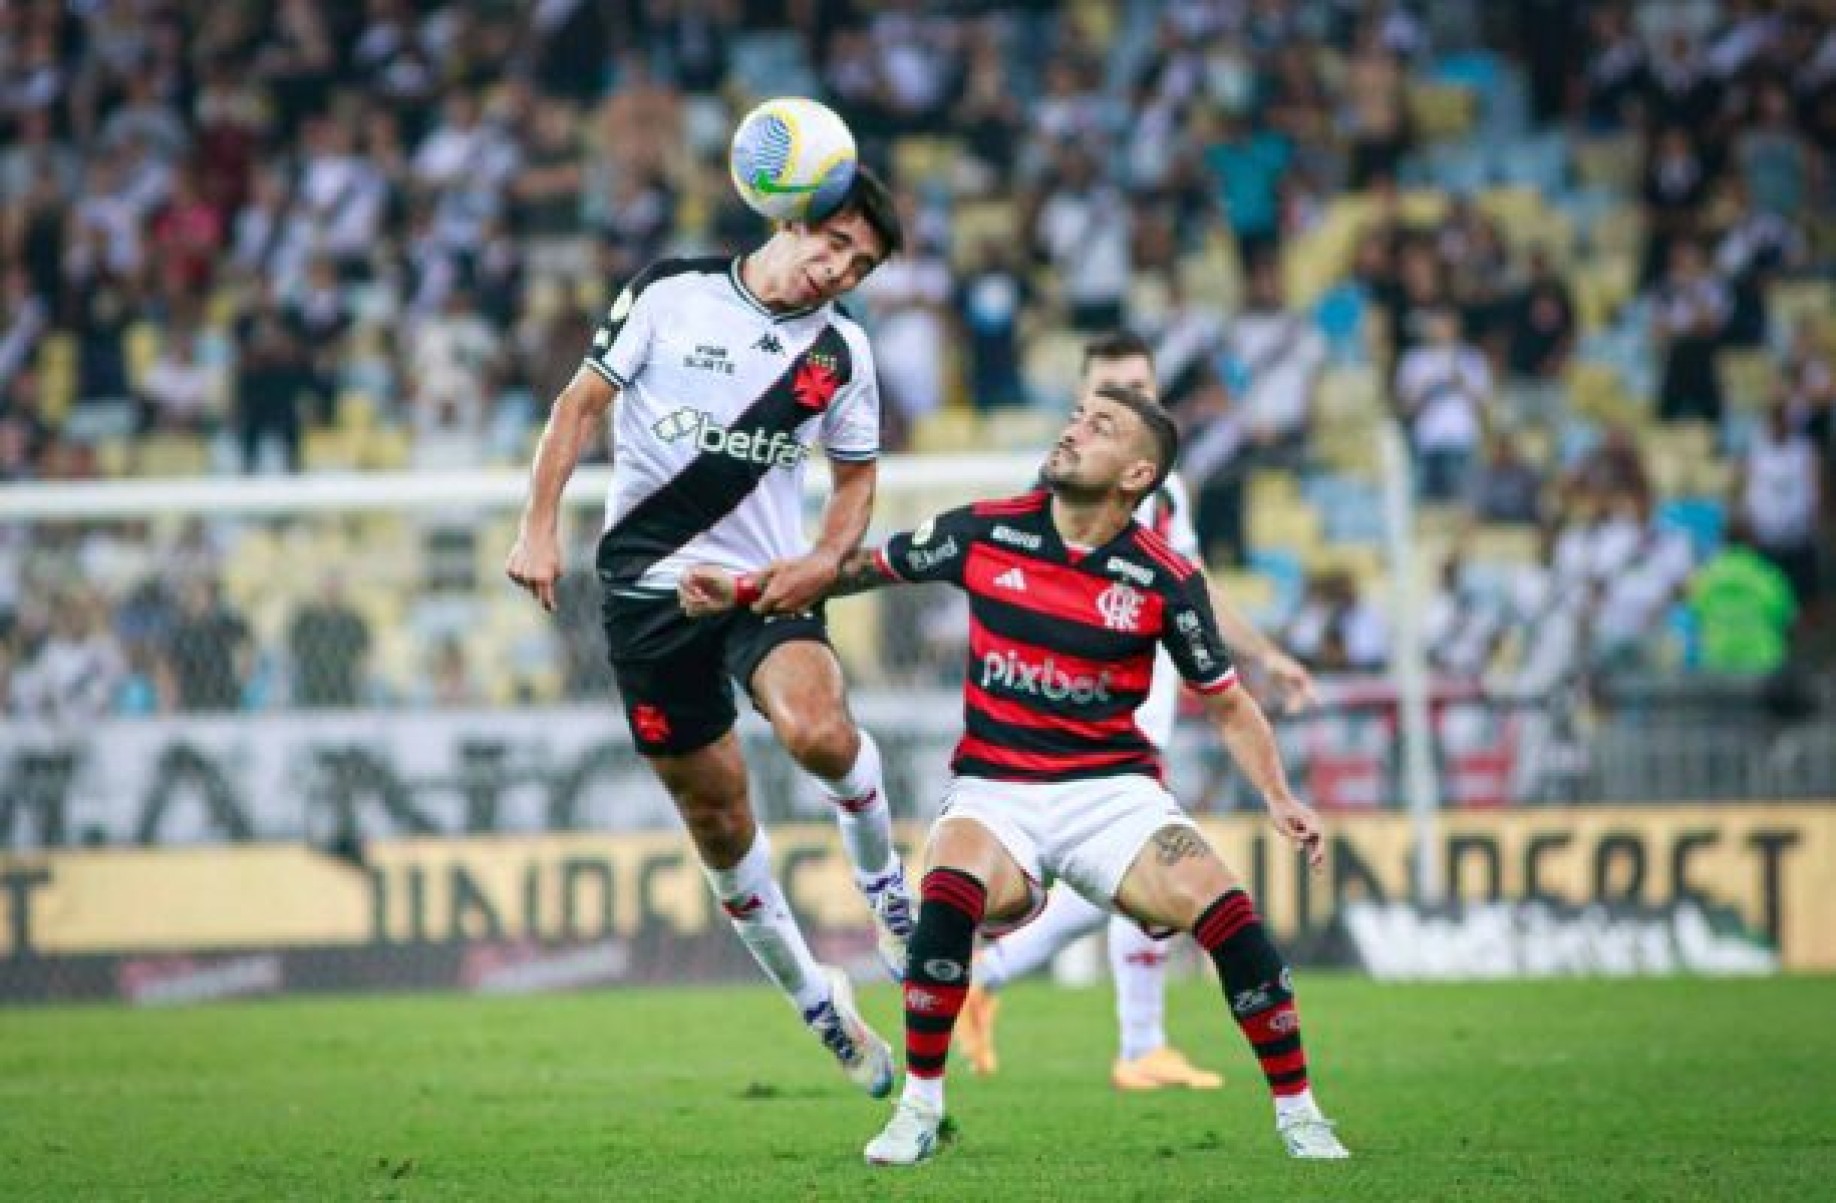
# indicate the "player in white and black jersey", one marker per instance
pixel 1146 1059
pixel 729 375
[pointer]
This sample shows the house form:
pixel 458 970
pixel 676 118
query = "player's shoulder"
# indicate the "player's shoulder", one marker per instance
pixel 1154 551
pixel 677 268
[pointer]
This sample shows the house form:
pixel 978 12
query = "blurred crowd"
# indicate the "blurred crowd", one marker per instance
pixel 276 238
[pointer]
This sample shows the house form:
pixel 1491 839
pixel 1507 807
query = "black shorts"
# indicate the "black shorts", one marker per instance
pixel 675 673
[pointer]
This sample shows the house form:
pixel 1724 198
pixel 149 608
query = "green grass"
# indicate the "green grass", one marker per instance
pixel 1575 1090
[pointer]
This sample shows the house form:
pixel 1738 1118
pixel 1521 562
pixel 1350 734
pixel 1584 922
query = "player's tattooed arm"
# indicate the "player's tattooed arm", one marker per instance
pixel 861 570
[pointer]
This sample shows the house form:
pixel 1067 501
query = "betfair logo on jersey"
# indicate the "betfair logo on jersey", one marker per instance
pixel 777 450
pixel 1046 680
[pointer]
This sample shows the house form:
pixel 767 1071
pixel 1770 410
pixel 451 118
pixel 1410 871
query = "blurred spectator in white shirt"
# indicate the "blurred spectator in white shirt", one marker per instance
pixel 1443 388
pixel 1780 499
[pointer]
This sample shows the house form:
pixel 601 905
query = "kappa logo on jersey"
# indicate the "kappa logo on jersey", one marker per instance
pixel 768 343
pixel 1015 538
pixel 1120 607
pixel 1013 579
pixel 1047 680
pixel 1133 571
pixel 778 450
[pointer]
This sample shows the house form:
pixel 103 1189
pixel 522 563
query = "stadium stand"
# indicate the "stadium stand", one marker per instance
pixel 1596 289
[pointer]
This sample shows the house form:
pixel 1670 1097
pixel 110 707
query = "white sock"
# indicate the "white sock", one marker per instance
pixel 756 906
pixel 1139 964
pixel 1289 1106
pixel 1067 915
pixel 866 820
pixel 925 1091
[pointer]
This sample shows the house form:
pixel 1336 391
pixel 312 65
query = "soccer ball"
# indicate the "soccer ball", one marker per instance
pixel 792 159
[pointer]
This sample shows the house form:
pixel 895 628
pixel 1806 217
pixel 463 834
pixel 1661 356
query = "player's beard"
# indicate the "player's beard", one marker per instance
pixel 1060 479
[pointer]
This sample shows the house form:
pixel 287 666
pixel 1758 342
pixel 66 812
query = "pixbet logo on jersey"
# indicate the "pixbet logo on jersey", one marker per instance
pixel 778 450
pixel 1047 680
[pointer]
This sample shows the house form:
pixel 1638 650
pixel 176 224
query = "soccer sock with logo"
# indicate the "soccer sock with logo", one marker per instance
pixel 1067 915
pixel 755 904
pixel 1260 992
pixel 937 977
pixel 1139 963
pixel 865 818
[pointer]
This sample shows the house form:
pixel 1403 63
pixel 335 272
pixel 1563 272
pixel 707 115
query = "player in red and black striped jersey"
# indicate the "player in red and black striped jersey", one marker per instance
pixel 1069 597
pixel 1061 637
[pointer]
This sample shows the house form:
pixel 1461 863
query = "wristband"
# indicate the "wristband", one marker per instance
pixel 746 590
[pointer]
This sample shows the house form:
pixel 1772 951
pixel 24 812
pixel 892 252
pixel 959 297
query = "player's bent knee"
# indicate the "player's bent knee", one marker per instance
pixel 825 744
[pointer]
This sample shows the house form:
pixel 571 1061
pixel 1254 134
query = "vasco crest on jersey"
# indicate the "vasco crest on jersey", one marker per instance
pixel 817 378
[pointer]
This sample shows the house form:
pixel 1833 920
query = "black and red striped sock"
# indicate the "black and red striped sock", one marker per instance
pixel 1258 987
pixel 937 969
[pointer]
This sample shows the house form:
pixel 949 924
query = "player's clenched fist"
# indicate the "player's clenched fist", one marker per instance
pixel 535 564
pixel 705 590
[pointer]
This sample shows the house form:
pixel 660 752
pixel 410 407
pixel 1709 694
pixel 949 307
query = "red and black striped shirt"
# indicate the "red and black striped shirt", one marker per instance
pixel 1061 644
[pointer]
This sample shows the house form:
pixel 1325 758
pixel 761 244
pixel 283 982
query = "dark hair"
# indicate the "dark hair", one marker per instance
pixel 869 197
pixel 1117 344
pixel 1159 425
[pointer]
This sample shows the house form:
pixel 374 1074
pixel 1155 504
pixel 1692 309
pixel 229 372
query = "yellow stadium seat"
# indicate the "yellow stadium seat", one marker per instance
pixel 1498 544
pixel 172 455
pixel 1021 430
pixel 1791 301
pixel 976 224
pixel 1250 592
pixel 1441 111
pixel 1349 397
pixel 329 451
pixel 1749 379
pixel 385 449
pixel 140 347
pixel 946 431
pixel 1611 163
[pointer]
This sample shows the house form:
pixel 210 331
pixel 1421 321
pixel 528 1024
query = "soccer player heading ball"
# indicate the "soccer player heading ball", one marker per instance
pixel 1069 600
pixel 728 374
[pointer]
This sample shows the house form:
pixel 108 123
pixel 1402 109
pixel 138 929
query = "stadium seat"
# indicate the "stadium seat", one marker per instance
pixel 946 432
pixel 1253 594
pixel 1749 379
pixel 1609 162
pixel 1440 111
pixel 171 455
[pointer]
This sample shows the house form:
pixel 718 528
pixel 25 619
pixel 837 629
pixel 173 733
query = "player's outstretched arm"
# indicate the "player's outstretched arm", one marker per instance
pixel 704 590
pixel 1246 732
pixel 1293 684
pixel 797 585
pixel 535 559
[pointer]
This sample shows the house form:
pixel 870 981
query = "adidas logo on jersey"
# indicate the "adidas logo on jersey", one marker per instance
pixel 777 450
pixel 1013 579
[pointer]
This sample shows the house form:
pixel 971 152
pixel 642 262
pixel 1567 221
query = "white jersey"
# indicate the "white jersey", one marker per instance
pixel 720 402
pixel 1168 513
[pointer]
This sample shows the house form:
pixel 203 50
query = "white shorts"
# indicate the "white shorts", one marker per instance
pixel 1085 833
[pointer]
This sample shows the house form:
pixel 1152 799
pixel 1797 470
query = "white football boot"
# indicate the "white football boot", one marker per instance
pixel 1311 1138
pixel 864 1057
pixel 890 899
pixel 913 1134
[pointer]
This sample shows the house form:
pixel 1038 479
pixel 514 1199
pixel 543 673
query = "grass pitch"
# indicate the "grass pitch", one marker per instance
pixel 1573 1090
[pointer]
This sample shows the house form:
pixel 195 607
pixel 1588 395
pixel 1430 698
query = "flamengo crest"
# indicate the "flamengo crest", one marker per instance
pixel 1120 607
